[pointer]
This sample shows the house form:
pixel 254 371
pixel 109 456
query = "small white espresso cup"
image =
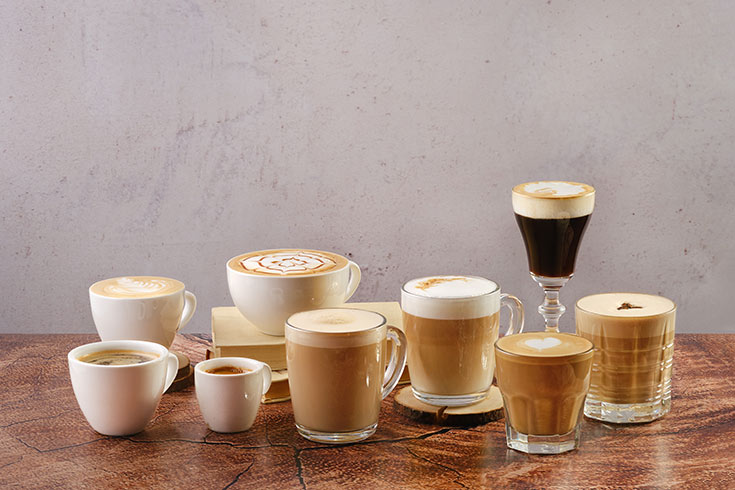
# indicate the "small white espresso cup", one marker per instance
pixel 121 400
pixel 141 308
pixel 229 402
pixel 268 286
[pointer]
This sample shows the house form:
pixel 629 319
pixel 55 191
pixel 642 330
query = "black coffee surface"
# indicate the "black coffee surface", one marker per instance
pixel 118 357
pixel 552 244
pixel 227 370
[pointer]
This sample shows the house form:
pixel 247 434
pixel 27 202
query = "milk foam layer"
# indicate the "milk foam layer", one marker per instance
pixel 287 262
pixel 544 344
pixel 136 286
pixel 626 305
pixel 553 200
pixel 335 327
pixel 450 297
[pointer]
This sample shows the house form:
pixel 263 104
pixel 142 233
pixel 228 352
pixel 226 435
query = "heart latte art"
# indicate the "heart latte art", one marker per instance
pixel 541 344
pixel 136 286
pixel 287 262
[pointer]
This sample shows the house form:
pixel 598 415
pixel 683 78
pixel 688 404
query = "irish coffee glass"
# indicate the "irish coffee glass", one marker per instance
pixel 552 217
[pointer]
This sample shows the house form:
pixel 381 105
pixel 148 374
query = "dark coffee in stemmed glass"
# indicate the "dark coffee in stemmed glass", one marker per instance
pixel 552 217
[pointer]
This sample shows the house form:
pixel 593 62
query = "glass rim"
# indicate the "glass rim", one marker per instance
pixel 673 309
pixel 384 322
pixel 560 357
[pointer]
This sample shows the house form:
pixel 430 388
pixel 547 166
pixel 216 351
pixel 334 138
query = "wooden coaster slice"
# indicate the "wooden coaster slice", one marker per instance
pixel 487 410
pixel 184 376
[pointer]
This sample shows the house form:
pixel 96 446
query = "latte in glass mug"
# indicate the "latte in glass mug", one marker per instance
pixel 147 308
pixel 268 286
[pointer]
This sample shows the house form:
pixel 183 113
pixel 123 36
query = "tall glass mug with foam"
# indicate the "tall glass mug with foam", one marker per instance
pixel 141 308
pixel 633 335
pixel 337 372
pixel 552 217
pixel 543 378
pixel 451 323
pixel 268 286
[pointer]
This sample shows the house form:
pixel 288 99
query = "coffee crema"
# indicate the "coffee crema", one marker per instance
pixel 227 370
pixel 118 357
pixel 287 262
pixel 136 287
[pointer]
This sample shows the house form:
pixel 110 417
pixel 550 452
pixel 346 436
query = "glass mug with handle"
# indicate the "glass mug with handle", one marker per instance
pixel 452 323
pixel 337 371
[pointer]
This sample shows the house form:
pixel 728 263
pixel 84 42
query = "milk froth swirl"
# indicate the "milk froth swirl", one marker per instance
pixel 136 287
pixel 288 263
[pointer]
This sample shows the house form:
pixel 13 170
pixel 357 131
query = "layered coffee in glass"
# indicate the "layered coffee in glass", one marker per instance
pixel 552 217
pixel 633 335
pixel 543 378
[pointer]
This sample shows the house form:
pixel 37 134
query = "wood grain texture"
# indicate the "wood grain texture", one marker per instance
pixel 488 410
pixel 45 441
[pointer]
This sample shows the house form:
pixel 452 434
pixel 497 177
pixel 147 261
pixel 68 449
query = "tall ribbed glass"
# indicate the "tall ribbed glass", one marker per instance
pixel 633 335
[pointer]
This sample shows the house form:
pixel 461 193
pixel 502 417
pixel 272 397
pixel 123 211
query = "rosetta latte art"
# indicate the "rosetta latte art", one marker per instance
pixel 287 263
pixel 130 286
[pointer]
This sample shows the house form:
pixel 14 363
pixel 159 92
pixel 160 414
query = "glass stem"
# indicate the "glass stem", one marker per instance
pixel 551 309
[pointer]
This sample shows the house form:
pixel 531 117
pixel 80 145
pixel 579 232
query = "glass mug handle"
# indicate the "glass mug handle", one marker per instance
pixel 516 313
pixel 397 360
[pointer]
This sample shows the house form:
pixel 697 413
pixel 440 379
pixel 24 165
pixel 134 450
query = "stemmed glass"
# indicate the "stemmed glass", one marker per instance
pixel 552 217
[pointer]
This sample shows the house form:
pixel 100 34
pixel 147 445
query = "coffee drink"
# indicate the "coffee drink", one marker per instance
pixel 118 357
pixel 268 286
pixel 543 377
pixel 136 287
pixel 141 308
pixel 119 383
pixel 451 323
pixel 227 370
pixel 552 217
pixel 287 262
pixel 336 367
pixel 229 391
pixel 633 335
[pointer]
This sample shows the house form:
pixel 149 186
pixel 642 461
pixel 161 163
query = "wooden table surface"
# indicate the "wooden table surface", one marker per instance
pixel 45 441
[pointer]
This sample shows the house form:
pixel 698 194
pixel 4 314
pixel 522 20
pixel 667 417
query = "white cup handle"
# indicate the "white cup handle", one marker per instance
pixel 190 306
pixel 267 376
pixel 172 367
pixel 355 276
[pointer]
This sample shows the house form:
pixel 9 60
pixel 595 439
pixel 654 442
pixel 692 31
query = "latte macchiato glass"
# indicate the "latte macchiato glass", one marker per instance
pixel 141 308
pixel 633 335
pixel 268 286
pixel 118 384
pixel 451 324
pixel 552 217
pixel 337 373
pixel 543 377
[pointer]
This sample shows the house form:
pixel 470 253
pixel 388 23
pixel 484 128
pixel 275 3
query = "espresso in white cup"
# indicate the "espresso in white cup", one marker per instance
pixel 141 308
pixel 229 390
pixel 118 384
pixel 268 286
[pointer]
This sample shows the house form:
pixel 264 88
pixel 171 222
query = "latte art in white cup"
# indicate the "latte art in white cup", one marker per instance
pixel 137 286
pixel 268 286
pixel 141 308
pixel 286 263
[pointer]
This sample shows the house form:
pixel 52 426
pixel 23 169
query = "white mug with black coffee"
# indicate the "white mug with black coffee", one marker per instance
pixel 141 308
pixel 268 286
pixel 119 383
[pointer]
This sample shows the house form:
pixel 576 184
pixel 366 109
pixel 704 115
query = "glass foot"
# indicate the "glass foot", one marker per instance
pixel 627 413
pixel 450 400
pixel 337 437
pixel 552 444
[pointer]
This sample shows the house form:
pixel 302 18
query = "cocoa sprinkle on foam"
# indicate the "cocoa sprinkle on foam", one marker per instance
pixel 434 281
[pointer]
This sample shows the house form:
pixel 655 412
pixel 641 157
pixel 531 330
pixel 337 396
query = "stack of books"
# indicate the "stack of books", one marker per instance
pixel 234 336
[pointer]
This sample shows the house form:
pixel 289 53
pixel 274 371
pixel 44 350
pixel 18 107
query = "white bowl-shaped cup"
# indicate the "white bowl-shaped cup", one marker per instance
pixel 229 402
pixel 268 300
pixel 155 318
pixel 121 400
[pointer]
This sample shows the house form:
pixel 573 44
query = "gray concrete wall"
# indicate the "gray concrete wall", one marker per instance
pixel 165 137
